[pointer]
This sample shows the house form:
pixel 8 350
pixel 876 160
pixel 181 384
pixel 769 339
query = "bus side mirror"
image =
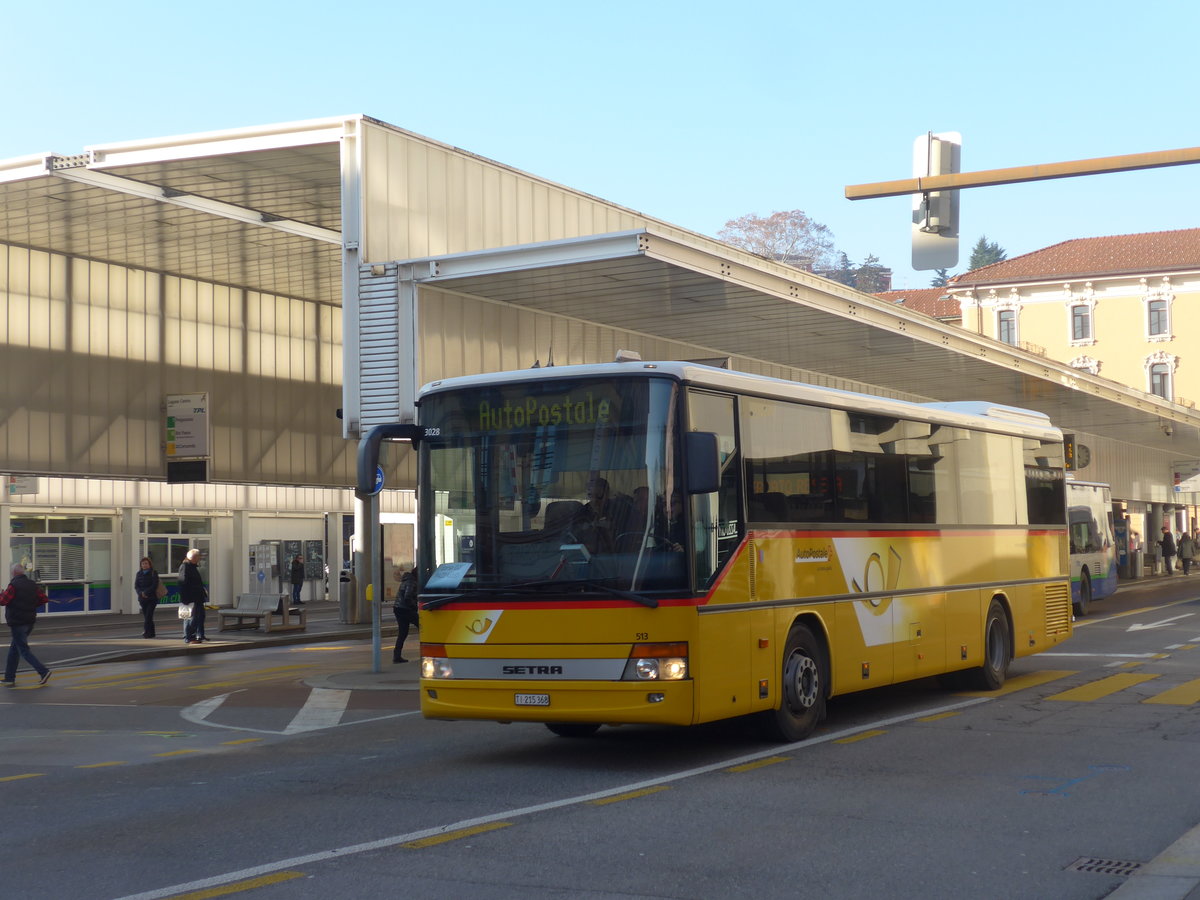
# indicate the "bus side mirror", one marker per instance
pixel 703 462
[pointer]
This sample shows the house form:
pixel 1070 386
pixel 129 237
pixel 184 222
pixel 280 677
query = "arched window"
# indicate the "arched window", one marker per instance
pixel 1160 380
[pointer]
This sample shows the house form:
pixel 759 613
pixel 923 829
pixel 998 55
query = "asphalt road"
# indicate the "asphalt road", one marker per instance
pixel 260 772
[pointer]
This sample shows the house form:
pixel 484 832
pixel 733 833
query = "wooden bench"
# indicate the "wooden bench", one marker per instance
pixel 251 610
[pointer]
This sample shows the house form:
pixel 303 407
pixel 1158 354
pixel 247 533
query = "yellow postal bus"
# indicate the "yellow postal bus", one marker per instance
pixel 663 542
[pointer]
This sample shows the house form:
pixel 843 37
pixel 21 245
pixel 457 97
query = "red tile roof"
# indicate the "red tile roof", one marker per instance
pixel 1122 254
pixel 930 301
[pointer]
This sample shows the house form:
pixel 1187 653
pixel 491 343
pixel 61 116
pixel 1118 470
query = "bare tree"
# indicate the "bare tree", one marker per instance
pixel 790 237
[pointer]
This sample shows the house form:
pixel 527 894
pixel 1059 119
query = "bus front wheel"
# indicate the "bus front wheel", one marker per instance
pixel 802 690
pixel 1085 594
pixel 996 651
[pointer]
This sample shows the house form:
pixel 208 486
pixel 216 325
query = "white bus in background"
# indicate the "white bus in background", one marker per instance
pixel 1093 543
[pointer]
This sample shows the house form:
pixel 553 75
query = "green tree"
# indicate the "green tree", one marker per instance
pixel 986 252
pixel 789 236
pixel 843 271
pixel 871 277
pixel 941 278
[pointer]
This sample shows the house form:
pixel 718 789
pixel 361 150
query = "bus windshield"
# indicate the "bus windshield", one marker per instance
pixel 557 484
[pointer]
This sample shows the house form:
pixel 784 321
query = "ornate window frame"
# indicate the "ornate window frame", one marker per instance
pixel 1087 363
pixel 1150 295
pixel 1171 363
pixel 1085 299
pixel 1012 303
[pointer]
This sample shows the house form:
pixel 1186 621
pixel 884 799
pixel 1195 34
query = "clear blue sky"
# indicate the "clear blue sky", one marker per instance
pixel 693 112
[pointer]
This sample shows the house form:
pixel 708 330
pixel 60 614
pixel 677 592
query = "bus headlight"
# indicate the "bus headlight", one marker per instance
pixel 657 662
pixel 436 667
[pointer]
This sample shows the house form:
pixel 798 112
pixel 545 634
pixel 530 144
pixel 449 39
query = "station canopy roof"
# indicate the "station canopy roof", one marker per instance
pixel 262 209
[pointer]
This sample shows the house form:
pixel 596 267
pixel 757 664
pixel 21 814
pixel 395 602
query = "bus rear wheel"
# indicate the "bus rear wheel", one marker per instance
pixel 573 729
pixel 996 651
pixel 1085 594
pixel 802 690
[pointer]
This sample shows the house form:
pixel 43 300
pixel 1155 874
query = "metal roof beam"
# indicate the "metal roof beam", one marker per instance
pixel 72 169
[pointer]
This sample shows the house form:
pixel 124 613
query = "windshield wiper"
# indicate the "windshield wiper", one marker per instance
pixel 515 589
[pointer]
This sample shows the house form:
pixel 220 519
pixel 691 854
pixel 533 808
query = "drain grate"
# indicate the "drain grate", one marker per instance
pixel 1104 866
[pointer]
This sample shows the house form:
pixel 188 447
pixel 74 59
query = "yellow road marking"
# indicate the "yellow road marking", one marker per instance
pixel 1021 682
pixel 758 764
pixel 1182 695
pixel 630 795
pixel 1186 647
pixel 176 752
pixel 242 741
pixel 934 718
pixel 860 737
pixel 320 649
pixel 454 835
pixel 1104 687
pixel 1131 665
pixel 19 777
pixel 238 886
pixel 101 765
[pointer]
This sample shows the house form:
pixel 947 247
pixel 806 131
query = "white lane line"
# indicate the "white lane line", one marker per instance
pixel 384 843
pixel 322 709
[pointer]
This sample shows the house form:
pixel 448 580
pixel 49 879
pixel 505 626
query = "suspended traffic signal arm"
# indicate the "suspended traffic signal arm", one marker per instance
pixel 1130 162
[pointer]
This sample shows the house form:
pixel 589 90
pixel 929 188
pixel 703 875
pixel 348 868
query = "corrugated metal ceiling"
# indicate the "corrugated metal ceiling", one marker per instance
pixel 302 184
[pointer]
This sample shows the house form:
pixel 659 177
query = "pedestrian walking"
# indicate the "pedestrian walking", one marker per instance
pixel 405 609
pixel 21 600
pixel 297 579
pixel 1167 545
pixel 193 593
pixel 150 590
pixel 1187 552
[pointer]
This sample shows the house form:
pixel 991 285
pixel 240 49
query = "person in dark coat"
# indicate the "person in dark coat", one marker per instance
pixel 405 609
pixel 146 585
pixel 297 579
pixel 1167 543
pixel 21 600
pixel 193 593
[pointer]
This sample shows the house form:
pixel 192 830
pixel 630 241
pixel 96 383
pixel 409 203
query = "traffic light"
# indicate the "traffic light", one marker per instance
pixel 935 213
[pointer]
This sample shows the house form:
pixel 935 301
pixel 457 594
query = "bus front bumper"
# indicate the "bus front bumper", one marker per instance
pixel 604 703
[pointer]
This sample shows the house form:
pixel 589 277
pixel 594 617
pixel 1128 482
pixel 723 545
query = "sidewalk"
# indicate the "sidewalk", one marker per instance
pixel 76 640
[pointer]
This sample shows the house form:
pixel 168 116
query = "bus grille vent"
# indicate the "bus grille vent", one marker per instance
pixel 1058 609
pixel 752 549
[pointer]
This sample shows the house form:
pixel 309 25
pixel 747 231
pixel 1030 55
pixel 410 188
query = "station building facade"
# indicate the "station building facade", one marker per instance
pixel 240 268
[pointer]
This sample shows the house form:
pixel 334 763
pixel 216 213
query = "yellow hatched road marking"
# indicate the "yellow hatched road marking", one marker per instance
pixel 101 765
pixel 19 777
pixel 860 737
pixel 119 680
pixel 238 886
pixel 454 835
pixel 258 675
pixel 1182 695
pixel 176 752
pixel 242 741
pixel 630 795
pixel 1186 647
pixel 758 764
pixel 1021 682
pixel 1103 688
pixel 1131 665
pixel 934 718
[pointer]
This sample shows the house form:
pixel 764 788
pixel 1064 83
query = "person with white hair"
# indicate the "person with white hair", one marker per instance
pixel 194 594
pixel 21 600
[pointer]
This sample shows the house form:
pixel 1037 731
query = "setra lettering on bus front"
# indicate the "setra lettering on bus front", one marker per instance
pixel 532 670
